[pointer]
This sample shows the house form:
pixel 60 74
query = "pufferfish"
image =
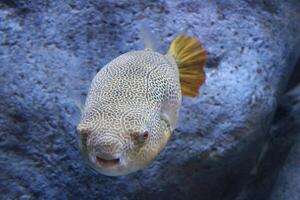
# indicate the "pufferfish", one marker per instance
pixel 132 106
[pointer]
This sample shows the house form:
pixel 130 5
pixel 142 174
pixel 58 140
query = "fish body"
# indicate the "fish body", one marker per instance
pixel 131 110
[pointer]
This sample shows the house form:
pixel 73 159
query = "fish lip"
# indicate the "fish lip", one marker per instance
pixel 112 167
pixel 107 163
pixel 115 163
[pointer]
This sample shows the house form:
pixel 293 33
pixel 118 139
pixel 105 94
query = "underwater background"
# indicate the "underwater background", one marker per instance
pixel 239 140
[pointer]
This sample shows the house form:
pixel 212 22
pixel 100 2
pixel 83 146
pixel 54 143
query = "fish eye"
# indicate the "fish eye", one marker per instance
pixel 141 137
pixel 82 131
pixel 145 135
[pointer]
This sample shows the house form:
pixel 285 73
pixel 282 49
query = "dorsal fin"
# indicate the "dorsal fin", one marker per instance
pixel 148 37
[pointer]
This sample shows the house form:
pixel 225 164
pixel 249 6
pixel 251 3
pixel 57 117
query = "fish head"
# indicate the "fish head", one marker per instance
pixel 119 147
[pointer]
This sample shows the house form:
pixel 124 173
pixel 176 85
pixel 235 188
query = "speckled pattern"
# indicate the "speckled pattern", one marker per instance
pixel 50 50
pixel 137 92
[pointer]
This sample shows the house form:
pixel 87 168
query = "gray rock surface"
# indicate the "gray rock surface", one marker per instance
pixel 287 186
pixel 50 50
pixel 282 137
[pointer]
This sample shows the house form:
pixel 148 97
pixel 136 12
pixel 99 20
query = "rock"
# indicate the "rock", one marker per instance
pixel 287 186
pixel 50 50
pixel 281 138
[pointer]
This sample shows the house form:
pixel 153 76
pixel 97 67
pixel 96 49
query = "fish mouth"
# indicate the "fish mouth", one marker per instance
pixel 107 163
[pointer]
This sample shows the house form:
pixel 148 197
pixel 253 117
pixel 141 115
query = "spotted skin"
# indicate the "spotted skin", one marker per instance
pixel 136 93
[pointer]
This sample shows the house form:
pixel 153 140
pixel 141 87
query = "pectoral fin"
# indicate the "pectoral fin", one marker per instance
pixel 169 113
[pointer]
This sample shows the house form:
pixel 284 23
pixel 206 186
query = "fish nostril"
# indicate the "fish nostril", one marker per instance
pixel 107 162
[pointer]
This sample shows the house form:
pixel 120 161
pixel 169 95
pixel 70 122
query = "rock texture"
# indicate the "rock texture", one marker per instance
pixel 287 186
pixel 282 138
pixel 50 50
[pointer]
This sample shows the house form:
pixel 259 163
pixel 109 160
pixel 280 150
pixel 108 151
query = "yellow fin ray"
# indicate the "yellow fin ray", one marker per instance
pixel 190 58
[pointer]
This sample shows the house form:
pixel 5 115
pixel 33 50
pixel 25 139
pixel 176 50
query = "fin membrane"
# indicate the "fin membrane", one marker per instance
pixel 150 42
pixel 190 58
